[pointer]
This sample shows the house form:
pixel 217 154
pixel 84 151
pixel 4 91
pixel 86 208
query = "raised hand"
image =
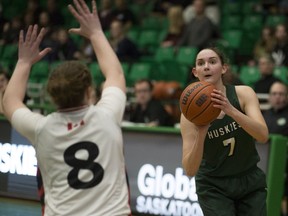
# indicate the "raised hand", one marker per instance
pixel 89 21
pixel 29 45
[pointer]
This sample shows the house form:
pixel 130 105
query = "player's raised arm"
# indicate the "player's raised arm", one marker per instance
pixel 28 54
pixel 90 27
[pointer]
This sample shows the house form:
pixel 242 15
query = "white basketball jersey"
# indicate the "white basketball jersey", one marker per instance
pixel 80 155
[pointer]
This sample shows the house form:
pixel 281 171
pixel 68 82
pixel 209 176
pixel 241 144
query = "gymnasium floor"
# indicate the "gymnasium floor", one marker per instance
pixel 19 207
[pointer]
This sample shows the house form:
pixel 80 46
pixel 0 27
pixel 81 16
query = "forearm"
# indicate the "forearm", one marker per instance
pixel 16 88
pixel 193 153
pixel 255 128
pixel 191 160
pixel 108 61
pixel 1 103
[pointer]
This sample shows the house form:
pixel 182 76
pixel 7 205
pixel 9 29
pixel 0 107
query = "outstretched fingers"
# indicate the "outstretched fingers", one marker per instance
pixel 74 12
pixel 28 34
pixel 34 34
pixel 79 6
pixel 21 37
pixel 94 7
pixel 84 6
pixel 40 36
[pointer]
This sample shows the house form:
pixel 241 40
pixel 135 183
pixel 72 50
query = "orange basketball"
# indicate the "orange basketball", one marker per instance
pixel 196 104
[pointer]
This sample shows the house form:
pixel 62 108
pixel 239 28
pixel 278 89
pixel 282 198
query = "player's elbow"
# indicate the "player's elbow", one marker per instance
pixel 189 170
pixel 263 139
pixel 263 136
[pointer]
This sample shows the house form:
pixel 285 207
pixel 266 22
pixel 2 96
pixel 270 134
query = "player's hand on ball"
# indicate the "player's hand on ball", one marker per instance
pixel 221 101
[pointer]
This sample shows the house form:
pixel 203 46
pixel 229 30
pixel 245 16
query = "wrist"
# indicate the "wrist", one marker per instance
pixel 96 34
pixel 24 63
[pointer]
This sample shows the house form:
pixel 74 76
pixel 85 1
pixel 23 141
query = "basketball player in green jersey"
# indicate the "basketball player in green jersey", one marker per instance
pixel 222 155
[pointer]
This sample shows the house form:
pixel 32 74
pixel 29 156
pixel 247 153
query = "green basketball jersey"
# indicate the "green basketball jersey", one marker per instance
pixel 228 149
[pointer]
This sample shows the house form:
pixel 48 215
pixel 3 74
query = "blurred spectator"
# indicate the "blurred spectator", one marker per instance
pixel 176 26
pixel 55 16
pixel 200 31
pixel 277 116
pixel 124 14
pixel 212 12
pixel 266 69
pixel 64 47
pixel 33 7
pixel 105 14
pixel 280 51
pixel 28 19
pixel 87 51
pixel 44 21
pixel 124 48
pixel 283 7
pixel 146 109
pixel 277 121
pixel 11 31
pixel 2 19
pixel 161 7
pixel 265 44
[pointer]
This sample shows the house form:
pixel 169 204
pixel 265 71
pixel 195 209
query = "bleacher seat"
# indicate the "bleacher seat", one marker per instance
pixel 164 54
pixel 249 75
pixel 9 51
pixel 96 73
pixel 229 22
pixel 186 55
pixel 281 72
pixel 233 37
pixel 39 72
pixel 149 40
pixel 273 20
pixel 138 71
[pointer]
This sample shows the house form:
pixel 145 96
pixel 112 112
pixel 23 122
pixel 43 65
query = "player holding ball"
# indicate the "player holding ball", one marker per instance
pixel 222 154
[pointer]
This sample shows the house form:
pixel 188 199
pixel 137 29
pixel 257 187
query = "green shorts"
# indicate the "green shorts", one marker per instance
pixel 230 196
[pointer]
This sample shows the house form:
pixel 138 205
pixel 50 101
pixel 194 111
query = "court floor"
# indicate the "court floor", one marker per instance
pixel 19 207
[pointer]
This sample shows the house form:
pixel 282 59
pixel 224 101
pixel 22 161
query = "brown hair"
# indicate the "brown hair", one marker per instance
pixel 67 84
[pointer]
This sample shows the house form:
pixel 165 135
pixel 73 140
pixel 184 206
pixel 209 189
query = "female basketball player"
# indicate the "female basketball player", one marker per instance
pixel 79 148
pixel 222 154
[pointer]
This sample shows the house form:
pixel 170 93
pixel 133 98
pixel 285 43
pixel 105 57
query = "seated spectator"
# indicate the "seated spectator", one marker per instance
pixel 266 69
pixel 212 11
pixel 146 109
pixel 123 13
pixel 277 121
pixel 45 22
pixel 265 44
pixel 3 20
pixel 280 50
pixel 63 47
pixel 55 16
pixel 124 48
pixel 200 31
pixel 175 28
pixel 105 14
pixel 34 7
pixel 11 31
pixel 161 7
pixel 277 116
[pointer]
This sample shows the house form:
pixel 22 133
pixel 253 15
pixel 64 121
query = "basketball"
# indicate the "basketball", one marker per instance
pixel 196 105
